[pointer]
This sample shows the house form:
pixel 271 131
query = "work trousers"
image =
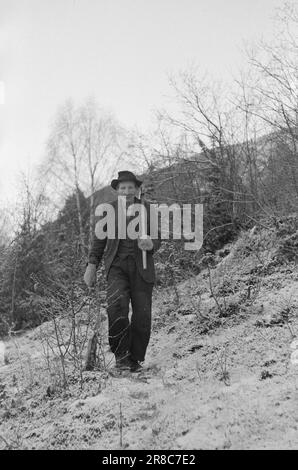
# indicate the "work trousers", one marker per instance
pixel 126 285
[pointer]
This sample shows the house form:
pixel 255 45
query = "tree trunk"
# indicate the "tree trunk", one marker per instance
pixel 81 230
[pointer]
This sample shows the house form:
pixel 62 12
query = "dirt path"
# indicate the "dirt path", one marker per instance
pixel 180 400
pixel 234 388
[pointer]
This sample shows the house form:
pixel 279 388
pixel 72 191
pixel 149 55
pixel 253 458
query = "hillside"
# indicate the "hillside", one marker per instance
pixel 220 371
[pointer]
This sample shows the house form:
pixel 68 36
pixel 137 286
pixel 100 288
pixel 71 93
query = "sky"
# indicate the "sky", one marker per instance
pixel 119 51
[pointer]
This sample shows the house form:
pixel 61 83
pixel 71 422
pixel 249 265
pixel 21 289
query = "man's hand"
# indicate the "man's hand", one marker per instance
pixel 90 275
pixel 145 243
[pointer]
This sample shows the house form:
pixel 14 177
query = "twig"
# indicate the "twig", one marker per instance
pixel 120 426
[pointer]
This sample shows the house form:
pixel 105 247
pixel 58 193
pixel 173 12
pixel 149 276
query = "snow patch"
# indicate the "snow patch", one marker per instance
pixel 2 353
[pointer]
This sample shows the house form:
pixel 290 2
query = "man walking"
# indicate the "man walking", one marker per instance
pixel 130 277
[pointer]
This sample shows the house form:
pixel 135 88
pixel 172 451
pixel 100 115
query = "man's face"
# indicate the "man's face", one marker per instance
pixel 128 189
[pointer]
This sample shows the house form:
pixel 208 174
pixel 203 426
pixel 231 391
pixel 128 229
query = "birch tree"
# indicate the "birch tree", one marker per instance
pixel 65 151
pixel 102 137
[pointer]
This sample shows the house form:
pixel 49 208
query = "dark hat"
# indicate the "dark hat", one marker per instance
pixel 125 176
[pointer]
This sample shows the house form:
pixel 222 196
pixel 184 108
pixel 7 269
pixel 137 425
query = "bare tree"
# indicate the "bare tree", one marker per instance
pixel 65 151
pixel 85 146
pixel 207 117
pixel 274 103
pixel 102 137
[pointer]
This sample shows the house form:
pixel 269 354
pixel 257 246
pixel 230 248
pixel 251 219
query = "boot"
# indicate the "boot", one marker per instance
pixel 123 361
pixel 135 365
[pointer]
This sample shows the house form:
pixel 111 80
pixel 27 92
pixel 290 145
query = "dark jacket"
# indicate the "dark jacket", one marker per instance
pixel 108 248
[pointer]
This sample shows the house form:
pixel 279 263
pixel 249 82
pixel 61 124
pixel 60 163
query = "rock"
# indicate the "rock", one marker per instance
pixel 178 355
pixel 294 344
pixel 224 252
pixel 170 330
pixel 294 358
pixel 185 311
pixel 253 230
pixel 265 374
pixel 269 362
pixel 51 390
pixel 3 393
pixel 195 347
pixel 271 317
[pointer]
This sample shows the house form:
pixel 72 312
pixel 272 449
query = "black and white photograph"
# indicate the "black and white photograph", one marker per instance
pixel 148 228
